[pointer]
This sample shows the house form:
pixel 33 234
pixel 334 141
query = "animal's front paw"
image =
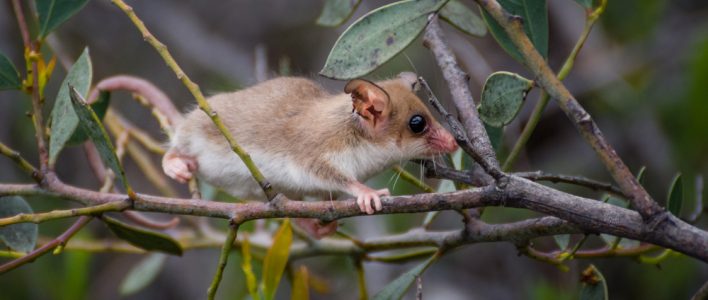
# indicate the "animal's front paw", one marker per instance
pixel 179 167
pixel 369 199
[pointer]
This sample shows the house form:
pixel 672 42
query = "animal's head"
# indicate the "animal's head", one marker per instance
pixel 390 111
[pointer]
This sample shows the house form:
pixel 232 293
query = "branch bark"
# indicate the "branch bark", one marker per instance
pixel 589 215
pixel 546 78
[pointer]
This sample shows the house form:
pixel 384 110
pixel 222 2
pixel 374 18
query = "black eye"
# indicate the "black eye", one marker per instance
pixel 417 124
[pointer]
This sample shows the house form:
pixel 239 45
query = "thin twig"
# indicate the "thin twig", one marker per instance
pixel 702 292
pixel 651 212
pixel 65 213
pixel 37 117
pixel 21 162
pixel 405 175
pixel 361 279
pixel 480 147
pixel 201 100
pixel 58 242
pixel 223 259
pixel 576 180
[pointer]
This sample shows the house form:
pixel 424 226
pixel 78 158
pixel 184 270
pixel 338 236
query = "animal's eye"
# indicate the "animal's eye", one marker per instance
pixel 417 124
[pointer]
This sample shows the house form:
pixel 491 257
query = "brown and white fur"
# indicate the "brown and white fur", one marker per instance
pixel 306 141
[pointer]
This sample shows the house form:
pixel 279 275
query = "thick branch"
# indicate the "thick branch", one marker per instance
pixel 584 123
pixel 588 214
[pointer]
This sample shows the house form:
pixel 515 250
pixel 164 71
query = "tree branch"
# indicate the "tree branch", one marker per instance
pixel 587 214
pixel 576 180
pixel 480 147
pixel 640 199
pixel 59 241
pixel 201 100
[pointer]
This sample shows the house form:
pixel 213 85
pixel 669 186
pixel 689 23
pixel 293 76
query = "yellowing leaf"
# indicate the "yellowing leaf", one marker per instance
pixel 247 268
pixel 276 259
pixel 301 289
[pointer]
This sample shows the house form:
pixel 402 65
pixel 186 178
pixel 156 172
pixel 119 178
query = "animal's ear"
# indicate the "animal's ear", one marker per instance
pixel 410 80
pixel 370 101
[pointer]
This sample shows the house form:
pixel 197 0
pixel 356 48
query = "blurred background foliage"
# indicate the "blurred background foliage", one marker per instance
pixel 643 75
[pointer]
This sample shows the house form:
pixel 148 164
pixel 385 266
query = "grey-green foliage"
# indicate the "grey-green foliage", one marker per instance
pixel 21 236
pixel 463 18
pixel 9 77
pixel 535 20
pixel 336 12
pixel 90 124
pixel 143 238
pixel 53 13
pixel 397 288
pixel 142 274
pixel 377 37
pixel 64 119
pixel 502 97
pixel 674 200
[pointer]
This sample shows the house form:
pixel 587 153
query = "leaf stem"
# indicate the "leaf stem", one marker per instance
pixel 21 162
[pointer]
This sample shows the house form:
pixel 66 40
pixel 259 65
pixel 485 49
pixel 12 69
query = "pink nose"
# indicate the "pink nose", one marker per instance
pixel 442 141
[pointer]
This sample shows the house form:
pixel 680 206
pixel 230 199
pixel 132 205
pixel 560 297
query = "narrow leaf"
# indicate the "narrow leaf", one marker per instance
pixel 301 288
pixel 143 238
pixel 594 286
pixel 463 18
pixel 535 20
pixel 92 126
pixel 247 268
pixel 276 259
pixel 64 119
pixel 99 107
pixel 502 97
pixel 640 175
pixel 53 13
pixel 22 236
pixel 675 199
pixel 562 240
pixel 397 288
pixel 377 37
pixel 336 12
pixel 142 274
pixel 9 77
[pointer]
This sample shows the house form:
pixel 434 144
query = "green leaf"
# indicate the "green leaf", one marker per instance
pixel 562 240
pixel 502 97
pixel 142 274
pixel 92 126
pixel 53 13
pixel 301 288
pixel 20 237
pixel 594 286
pixel 276 259
pixel 674 200
pixel 64 119
pixel 585 3
pixel 9 77
pixel 377 37
pixel 143 238
pixel 640 175
pixel 247 268
pixel 100 107
pixel 397 288
pixel 535 20
pixel 496 134
pixel 336 12
pixel 463 18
